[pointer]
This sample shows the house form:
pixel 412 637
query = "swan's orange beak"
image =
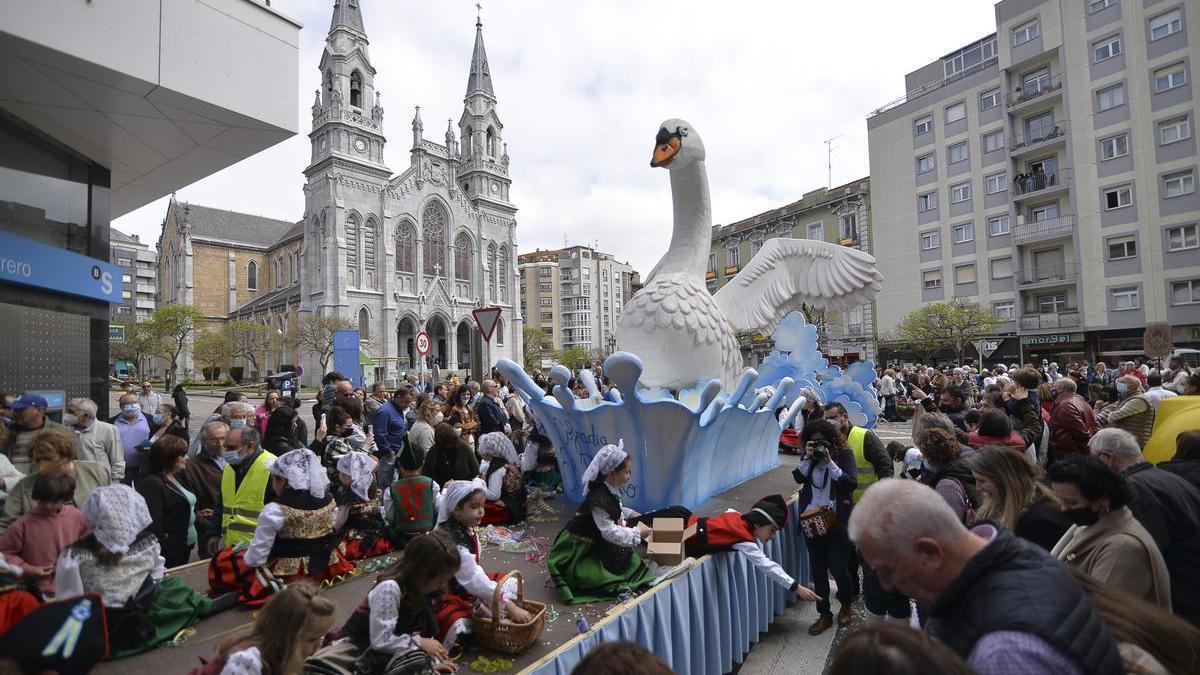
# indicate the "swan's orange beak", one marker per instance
pixel 664 152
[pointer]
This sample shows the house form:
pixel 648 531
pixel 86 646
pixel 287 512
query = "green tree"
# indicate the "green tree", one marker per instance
pixel 573 358
pixel 210 349
pixel 955 324
pixel 249 340
pixel 537 345
pixel 174 326
pixel 315 336
pixel 140 344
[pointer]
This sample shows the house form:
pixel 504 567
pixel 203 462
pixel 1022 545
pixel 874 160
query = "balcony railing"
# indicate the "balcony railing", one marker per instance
pixel 1035 139
pixel 1034 183
pixel 1064 319
pixel 933 86
pixel 1047 275
pixel 1038 230
pixel 1034 90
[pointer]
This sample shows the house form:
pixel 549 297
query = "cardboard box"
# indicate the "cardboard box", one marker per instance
pixel 665 546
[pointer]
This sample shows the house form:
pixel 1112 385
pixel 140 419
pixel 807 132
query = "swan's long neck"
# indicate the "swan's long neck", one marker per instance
pixel 692 235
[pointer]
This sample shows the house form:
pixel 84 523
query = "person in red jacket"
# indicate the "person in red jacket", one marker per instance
pixel 1072 422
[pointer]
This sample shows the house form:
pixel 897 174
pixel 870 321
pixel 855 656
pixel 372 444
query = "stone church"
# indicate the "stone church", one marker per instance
pixel 397 254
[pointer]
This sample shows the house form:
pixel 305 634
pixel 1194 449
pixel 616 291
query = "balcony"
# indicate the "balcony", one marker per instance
pixel 1064 319
pixel 1041 184
pixel 1036 140
pixel 710 275
pixel 1047 276
pixel 731 270
pixel 1041 90
pixel 1039 230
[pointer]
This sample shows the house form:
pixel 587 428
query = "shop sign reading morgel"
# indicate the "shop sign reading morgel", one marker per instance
pixel 24 261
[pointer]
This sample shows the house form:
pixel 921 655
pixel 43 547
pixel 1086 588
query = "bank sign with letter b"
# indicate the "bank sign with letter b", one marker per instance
pixel 30 263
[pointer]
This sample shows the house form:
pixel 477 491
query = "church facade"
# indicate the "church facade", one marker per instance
pixel 400 254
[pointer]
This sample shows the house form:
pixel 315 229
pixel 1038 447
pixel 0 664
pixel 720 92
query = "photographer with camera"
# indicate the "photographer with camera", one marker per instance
pixel 827 476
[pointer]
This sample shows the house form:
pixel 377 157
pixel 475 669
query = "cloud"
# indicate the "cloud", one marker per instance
pixel 583 85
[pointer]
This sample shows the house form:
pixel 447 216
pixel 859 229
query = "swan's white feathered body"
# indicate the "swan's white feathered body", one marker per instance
pixel 684 334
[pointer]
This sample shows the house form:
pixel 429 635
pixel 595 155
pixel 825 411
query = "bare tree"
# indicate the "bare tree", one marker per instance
pixel 249 340
pixel 315 336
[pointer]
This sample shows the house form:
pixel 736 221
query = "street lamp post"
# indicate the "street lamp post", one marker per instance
pixel 612 343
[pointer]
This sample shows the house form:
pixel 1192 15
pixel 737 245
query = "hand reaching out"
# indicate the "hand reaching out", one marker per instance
pixel 516 613
pixel 435 649
pixel 805 593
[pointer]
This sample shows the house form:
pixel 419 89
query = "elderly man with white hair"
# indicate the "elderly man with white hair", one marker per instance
pixel 1132 412
pixel 1168 506
pixel 235 415
pixel 1003 604
pixel 99 441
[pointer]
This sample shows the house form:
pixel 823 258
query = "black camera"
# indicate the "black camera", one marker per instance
pixel 820 450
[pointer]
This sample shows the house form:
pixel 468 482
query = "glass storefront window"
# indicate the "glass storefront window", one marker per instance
pixel 43 191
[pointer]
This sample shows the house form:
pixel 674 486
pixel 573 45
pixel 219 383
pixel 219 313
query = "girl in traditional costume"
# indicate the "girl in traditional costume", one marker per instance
pixel 594 557
pixel 410 503
pixel 472 588
pixel 507 497
pixel 357 517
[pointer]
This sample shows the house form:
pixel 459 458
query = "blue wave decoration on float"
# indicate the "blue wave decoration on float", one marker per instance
pixel 690 448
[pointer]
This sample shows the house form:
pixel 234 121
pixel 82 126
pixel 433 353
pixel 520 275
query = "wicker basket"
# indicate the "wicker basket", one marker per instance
pixel 502 635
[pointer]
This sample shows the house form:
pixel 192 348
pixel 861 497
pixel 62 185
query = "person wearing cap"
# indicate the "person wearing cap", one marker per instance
pixel 29 420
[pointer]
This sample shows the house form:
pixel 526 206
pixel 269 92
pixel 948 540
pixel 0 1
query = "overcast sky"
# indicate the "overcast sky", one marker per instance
pixel 583 84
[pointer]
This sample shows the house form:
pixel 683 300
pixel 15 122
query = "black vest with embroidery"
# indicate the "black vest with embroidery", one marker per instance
pixel 409 620
pixel 461 537
pixel 616 559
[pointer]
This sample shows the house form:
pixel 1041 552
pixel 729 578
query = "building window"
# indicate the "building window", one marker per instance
pixel 997 226
pixel 1185 292
pixel 545 302
pixel 1170 77
pixel 1005 310
pixel 997 182
pixel 932 278
pixel 433 229
pixel 1025 32
pixel 1106 48
pixel 993 141
pixel 124 310
pixel 1114 146
pixel 1165 24
pixel 1052 303
pixel 927 201
pixel 504 272
pixel 1118 197
pixel 1035 82
pixel 816 231
pixel 352 248
pixel 956 112
pixel 356 89
pixel 712 262
pixel 252 276
pixel 1174 129
pixel 964 274
pixel 970 56
pixel 587 289
pixel 923 125
pixel 956 152
pixel 1125 298
pixel 964 233
pixel 499 332
pixel 544 288
pixel 1183 237
pixel 462 257
pixel 1110 97
pixel 125 262
pixel 1099 5
pixel 930 240
pixel 989 99
pixel 126 279
pixel 364 324
pixel 733 256
pixel 1179 183
pixel 926 163
pixel 755 245
pixel 1002 268
pixel 405 247
pixel 960 193
pixel 1122 248
pixel 848 226
pixel 128 295
pixel 547 316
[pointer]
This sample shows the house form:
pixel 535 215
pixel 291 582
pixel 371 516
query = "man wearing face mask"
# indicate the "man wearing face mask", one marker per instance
pixel 29 421
pixel 202 477
pixel 99 441
pixel 952 401
pixel 245 486
pixel 1132 412
pixel 136 427
pixel 1167 506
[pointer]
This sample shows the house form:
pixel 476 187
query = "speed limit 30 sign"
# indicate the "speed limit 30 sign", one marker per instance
pixel 423 343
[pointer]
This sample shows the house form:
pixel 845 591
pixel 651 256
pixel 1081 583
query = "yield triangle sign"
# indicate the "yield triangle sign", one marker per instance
pixel 487 318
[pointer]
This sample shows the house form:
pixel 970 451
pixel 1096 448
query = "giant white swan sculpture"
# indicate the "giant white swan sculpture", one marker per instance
pixel 686 336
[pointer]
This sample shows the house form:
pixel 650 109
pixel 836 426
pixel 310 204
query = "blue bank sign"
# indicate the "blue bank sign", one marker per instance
pixel 24 261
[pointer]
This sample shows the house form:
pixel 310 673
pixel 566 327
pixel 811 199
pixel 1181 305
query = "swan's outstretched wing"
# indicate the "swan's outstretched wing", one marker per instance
pixel 786 273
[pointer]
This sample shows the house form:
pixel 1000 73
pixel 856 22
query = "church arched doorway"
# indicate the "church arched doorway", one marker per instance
pixel 438 337
pixel 407 342
pixel 469 352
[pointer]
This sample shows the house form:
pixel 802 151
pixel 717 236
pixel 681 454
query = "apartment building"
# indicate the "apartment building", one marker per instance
pixel 139 273
pixel 575 294
pixel 841 215
pixel 1049 172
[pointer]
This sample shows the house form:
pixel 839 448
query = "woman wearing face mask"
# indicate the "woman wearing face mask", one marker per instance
pixel 332 438
pixel 462 415
pixel 1106 542
pixel 53 451
pixel 168 424
pixel 429 415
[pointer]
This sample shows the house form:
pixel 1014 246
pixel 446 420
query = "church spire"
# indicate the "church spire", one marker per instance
pixel 347 15
pixel 480 79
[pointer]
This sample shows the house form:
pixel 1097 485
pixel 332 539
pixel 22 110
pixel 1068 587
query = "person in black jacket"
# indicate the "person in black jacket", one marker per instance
pixel 180 398
pixel 280 436
pixel 491 415
pixel 172 507
pixel 1186 462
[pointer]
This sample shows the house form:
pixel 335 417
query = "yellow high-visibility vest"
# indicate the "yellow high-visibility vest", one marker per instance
pixel 866 470
pixel 240 506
